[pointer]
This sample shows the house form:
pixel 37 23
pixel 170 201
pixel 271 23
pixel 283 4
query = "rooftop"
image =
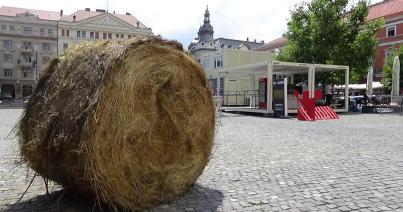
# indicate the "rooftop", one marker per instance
pixel 80 15
pixel 42 14
pixel 237 43
pixel 276 43
pixel 385 9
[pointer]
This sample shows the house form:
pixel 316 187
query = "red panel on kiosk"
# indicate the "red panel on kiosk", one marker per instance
pixel 262 93
pixel 308 111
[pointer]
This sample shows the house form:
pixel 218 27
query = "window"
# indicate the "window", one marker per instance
pixel 11 28
pixel 391 31
pixel 213 86
pixel 218 62
pixel 78 34
pixel 63 34
pixel 109 35
pixel 26 59
pixel 83 34
pixel 8 72
pixel 96 35
pixel 117 36
pixel 222 86
pixel 129 36
pixel 27 74
pixel 26 45
pixel 122 36
pixel 8 58
pixel 388 52
pixel 27 31
pixel 67 33
pixel 65 46
pixel 205 64
pixel 45 46
pixel 92 35
pixel 104 36
pixel 50 32
pixel 42 32
pixel 8 44
pixel 3 27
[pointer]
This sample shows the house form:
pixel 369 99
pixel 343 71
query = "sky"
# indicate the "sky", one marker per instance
pixel 180 19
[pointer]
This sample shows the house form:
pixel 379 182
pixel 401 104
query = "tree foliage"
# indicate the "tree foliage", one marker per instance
pixel 331 32
pixel 388 68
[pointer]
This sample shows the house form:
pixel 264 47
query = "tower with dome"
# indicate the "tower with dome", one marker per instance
pixel 204 43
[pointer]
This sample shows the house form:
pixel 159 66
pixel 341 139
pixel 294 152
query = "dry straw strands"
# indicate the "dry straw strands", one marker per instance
pixel 128 122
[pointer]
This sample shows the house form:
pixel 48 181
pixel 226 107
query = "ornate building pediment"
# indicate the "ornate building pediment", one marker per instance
pixel 105 20
pixel 27 17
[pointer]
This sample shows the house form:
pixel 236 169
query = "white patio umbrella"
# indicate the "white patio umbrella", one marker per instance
pixel 395 77
pixel 370 77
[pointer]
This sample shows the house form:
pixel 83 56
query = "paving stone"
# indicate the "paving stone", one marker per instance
pixel 264 164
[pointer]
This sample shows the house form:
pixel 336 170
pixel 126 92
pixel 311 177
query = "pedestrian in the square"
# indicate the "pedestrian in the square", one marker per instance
pixel 328 94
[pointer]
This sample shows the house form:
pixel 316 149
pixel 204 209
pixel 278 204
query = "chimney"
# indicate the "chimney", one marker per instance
pixel 262 41
pixel 87 9
pixel 100 10
pixel 74 17
pixel 113 12
pixel 138 24
pixel 247 39
pixel 128 13
pixel 254 41
pixel 61 13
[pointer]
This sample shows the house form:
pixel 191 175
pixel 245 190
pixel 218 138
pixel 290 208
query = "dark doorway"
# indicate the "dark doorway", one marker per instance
pixel 26 90
pixel 8 90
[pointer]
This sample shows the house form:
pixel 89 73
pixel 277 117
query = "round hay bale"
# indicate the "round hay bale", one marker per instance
pixel 127 122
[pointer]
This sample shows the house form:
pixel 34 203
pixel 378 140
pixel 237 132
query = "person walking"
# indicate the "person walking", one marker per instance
pixel 328 94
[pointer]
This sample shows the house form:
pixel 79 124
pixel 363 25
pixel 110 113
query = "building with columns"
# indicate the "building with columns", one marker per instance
pixel 97 25
pixel 29 38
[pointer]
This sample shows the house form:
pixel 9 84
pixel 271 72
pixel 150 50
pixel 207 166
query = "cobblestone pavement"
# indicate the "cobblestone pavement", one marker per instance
pixel 351 164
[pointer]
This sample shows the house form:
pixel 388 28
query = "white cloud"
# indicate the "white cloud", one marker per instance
pixel 180 19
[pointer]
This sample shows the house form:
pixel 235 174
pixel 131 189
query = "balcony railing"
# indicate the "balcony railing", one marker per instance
pixel 7 77
pixel 26 49
pixel 7 65
pixel 26 64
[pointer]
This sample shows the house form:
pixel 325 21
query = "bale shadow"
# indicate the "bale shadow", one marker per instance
pixel 62 200
pixel 198 197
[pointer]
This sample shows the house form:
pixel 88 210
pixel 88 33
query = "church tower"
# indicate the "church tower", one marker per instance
pixel 204 43
pixel 206 30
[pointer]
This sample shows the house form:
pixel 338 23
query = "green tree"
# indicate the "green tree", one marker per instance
pixel 331 32
pixel 388 68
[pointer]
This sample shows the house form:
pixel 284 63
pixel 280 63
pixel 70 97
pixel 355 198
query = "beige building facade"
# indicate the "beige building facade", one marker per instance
pixel 231 85
pixel 84 25
pixel 28 39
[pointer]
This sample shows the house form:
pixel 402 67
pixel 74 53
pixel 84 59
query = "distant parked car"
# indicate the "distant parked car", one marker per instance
pixel 6 98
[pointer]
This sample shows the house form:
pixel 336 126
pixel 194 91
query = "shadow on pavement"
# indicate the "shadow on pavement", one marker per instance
pixel 197 197
pixel 62 200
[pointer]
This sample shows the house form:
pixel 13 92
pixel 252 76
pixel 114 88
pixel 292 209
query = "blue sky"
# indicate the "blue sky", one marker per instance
pixel 180 19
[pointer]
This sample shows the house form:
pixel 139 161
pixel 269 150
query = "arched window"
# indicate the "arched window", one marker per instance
pixel 387 52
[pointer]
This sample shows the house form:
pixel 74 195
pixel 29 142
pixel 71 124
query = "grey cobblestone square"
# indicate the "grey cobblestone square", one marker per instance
pixel 259 164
